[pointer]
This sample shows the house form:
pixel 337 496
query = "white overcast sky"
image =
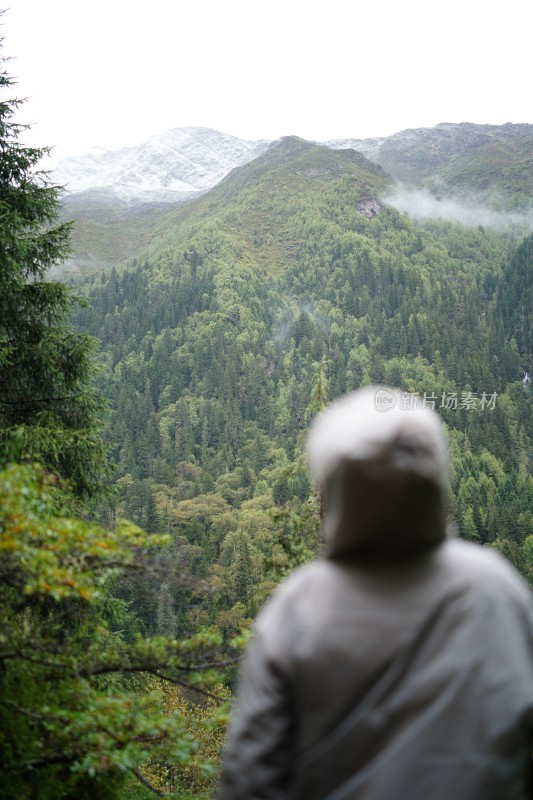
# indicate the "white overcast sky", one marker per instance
pixel 113 72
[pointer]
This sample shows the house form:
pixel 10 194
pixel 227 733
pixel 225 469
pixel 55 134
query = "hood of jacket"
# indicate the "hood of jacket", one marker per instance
pixel 380 465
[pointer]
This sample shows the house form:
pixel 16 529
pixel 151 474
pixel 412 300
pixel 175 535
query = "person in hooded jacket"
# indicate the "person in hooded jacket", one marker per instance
pixel 399 665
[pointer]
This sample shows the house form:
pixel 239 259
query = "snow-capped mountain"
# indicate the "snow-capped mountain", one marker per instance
pixel 169 167
pixel 117 198
pixel 184 162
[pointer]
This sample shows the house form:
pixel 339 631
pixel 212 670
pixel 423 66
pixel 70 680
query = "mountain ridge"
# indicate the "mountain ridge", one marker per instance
pixel 457 158
pixel 253 198
pixel 174 166
pixel 483 165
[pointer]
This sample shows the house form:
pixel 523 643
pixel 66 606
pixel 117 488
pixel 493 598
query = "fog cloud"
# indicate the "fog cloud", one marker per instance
pixel 420 204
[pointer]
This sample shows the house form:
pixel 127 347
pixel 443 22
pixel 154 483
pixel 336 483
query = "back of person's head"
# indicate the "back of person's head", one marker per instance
pixel 382 473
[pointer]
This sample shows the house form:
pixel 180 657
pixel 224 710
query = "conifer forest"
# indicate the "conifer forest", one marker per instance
pixel 153 485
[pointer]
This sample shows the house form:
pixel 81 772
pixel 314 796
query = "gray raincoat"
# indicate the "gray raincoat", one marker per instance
pixel 399 666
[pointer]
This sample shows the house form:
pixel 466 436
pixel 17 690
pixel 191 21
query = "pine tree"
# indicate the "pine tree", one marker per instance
pixel 48 409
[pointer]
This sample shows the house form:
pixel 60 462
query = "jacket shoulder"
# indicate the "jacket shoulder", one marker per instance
pixel 483 567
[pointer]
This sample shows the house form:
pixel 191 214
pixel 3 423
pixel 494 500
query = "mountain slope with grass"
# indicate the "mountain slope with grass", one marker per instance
pixel 494 163
pixel 481 168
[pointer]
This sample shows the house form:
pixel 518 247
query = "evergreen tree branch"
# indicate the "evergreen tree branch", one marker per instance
pixel 145 782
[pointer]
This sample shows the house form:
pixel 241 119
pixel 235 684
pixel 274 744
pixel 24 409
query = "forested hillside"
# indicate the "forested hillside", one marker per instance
pixel 287 285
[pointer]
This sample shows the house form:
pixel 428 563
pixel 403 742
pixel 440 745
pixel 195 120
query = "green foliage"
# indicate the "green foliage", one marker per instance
pixel 70 717
pixel 516 299
pixel 48 408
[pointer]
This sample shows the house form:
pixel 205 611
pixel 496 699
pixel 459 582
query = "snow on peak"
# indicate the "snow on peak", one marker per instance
pixel 166 166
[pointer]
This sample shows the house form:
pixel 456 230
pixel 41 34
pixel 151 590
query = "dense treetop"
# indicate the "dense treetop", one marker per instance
pixel 287 285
